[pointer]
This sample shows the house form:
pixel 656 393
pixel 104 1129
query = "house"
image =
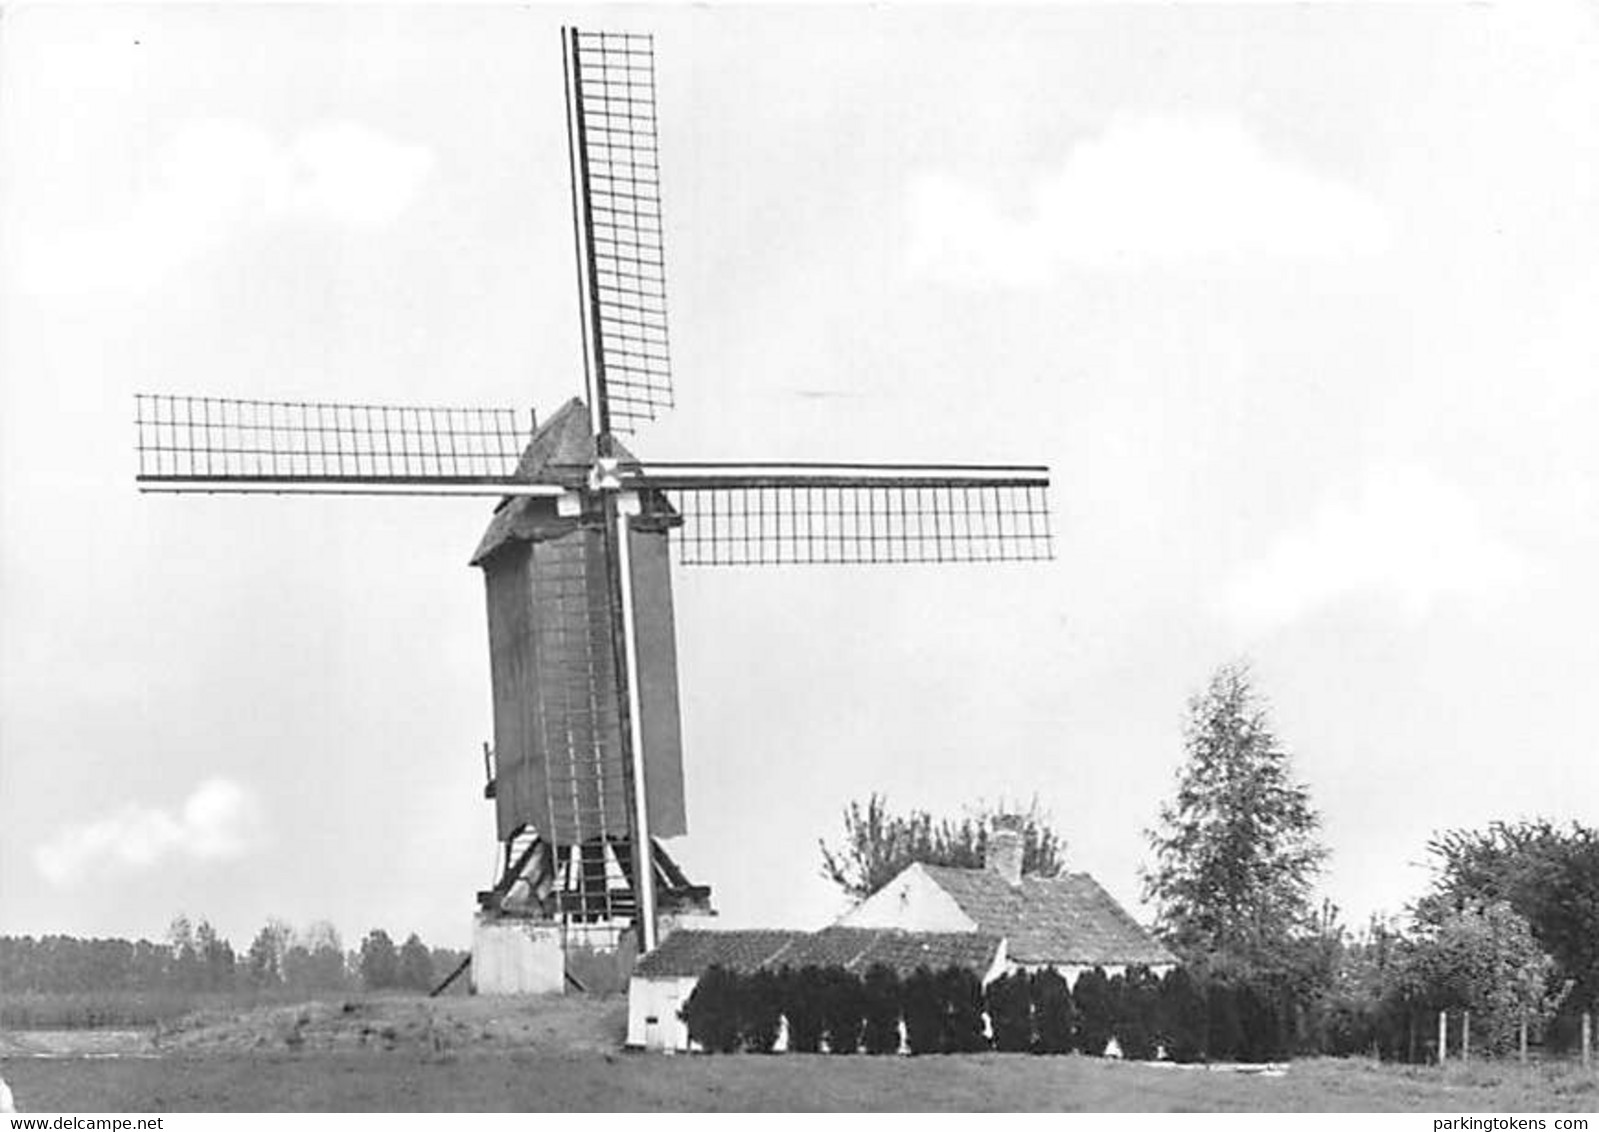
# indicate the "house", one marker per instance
pixel 990 921
pixel 663 979
pixel 1067 922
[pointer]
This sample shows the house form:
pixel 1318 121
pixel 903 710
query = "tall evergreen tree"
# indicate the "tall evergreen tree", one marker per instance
pixel 1237 850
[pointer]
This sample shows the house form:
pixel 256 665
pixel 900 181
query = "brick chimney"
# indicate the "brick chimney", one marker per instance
pixel 1005 848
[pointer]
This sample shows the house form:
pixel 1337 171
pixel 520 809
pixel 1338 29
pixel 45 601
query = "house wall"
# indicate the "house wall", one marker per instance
pixel 652 1006
pixel 911 901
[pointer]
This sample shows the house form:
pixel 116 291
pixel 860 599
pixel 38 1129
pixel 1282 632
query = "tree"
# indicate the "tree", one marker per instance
pixel 1237 850
pixel 712 1010
pixel 1010 1009
pixel 881 991
pixel 380 963
pixel 843 1010
pixel 878 845
pixel 314 962
pixel 216 958
pixel 1180 1016
pixel 760 1015
pixel 962 994
pixel 263 963
pixel 1548 875
pixel 1137 997
pixel 804 994
pixel 415 969
pixel 1054 1013
pixel 923 1007
pixel 1094 998
pixel 1483 958
pixel 187 967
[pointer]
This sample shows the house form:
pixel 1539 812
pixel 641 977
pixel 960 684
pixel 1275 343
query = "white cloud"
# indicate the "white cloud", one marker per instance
pixel 219 820
pixel 1149 190
pixel 214 178
pixel 1408 538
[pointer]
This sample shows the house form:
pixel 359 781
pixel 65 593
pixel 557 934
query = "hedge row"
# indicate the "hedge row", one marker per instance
pixel 1179 1017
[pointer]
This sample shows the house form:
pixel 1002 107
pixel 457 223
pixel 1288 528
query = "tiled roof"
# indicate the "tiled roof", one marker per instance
pixel 1067 919
pixel 689 951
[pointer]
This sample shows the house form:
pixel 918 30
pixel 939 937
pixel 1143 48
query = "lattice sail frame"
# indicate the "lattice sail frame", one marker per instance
pixel 730 514
pixel 616 198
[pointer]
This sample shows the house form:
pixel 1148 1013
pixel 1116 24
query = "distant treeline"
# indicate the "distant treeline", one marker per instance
pixel 195 959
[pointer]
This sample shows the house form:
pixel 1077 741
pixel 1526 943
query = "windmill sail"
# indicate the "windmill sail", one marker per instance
pixel 222 444
pixel 616 196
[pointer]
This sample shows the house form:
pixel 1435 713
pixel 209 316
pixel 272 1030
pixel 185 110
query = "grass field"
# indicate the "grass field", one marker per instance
pixel 484 1054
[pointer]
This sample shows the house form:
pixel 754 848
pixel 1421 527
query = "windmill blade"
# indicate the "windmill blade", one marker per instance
pixel 220 444
pixel 855 514
pixel 616 197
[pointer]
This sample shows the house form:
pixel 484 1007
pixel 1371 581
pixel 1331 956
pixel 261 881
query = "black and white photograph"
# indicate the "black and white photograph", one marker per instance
pixel 786 557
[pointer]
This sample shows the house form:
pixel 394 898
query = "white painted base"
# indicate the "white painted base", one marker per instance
pixel 515 956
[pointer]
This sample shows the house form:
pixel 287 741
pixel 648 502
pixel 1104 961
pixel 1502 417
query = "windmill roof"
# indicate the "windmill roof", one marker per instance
pixel 687 952
pixel 564 441
pixel 1066 919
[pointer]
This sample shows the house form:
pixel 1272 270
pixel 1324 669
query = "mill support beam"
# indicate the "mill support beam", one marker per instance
pixel 643 867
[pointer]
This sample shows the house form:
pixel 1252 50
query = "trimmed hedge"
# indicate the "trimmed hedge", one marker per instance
pixel 962 993
pixel 1182 1023
pixel 761 1011
pixel 880 997
pixel 922 1005
pixel 1186 1016
pixel 843 1010
pixel 1054 1012
pixel 1136 996
pixel 712 1010
pixel 804 994
pixel 1010 1012
pixel 1095 1000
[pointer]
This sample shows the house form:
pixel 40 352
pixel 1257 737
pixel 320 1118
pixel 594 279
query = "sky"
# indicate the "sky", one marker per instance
pixel 1295 300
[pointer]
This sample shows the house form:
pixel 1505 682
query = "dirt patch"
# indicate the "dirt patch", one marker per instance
pixel 76 1043
pixel 432 1026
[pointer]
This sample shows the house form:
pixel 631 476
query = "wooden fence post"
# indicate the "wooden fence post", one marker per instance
pixel 1465 1035
pixel 1523 1039
pixel 1443 1036
pixel 1587 1039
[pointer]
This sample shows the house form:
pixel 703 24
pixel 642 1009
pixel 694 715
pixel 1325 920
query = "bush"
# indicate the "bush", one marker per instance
pixel 1136 995
pixel 1224 1037
pixel 1096 1011
pixel 880 995
pixel 1181 1017
pixel 804 992
pixel 760 1016
pixel 962 994
pixel 843 1010
pixel 712 1010
pixel 1010 1009
pixel 1054 1014
pixel 1260 1021
pixel 923 1008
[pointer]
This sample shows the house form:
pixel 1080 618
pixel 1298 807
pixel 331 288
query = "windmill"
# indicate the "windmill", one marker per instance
pixel 586 765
